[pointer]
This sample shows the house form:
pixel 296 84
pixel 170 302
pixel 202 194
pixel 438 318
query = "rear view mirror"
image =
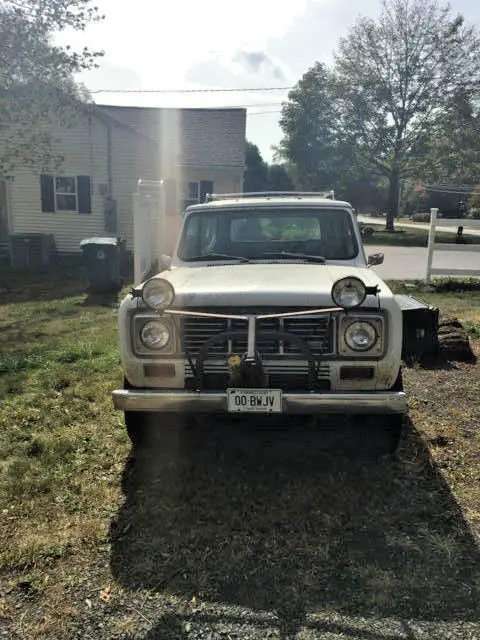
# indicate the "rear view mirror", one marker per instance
pixel 375 258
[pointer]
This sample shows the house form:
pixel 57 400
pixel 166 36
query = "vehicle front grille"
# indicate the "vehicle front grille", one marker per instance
pixel 285 374
pixel 316 331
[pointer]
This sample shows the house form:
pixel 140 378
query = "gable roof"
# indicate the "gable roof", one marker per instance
pixel 196 137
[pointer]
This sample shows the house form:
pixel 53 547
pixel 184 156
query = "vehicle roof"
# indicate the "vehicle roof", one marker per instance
pixel 239 203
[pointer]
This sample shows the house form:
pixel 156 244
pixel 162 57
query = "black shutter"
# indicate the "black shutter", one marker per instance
pixel 206 187
pixel 48 193
pixel 84 194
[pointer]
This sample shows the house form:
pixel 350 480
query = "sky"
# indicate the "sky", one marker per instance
pixel 218 44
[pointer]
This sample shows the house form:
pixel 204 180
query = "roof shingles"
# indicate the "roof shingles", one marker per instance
pixel 195 137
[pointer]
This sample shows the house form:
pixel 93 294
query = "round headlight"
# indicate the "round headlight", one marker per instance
pixel 158 293
pixel 360 336
pixel 155 335
pixel 349 292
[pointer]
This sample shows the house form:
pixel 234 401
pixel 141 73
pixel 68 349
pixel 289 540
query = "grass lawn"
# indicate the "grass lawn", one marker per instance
pixel 222 531
pixel 408 237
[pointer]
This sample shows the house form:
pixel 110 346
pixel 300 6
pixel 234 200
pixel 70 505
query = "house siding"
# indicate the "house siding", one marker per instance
pixel 196 137
pixel 133 158
pixel 84 149
pixel 184 145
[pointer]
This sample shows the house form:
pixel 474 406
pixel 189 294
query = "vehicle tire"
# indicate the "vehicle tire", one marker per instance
pixel 136 423
pixel 378 435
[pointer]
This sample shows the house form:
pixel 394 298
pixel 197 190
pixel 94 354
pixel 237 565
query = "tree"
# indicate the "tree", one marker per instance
pixel 453 151
pixel 37 87
pixel 394 75
pixel 310 124
pixel 278 178
pixel 256 169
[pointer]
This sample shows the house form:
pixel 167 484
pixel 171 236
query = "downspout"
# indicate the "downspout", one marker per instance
pixel 110 211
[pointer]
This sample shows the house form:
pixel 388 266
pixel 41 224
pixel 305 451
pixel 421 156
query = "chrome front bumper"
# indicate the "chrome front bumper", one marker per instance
pixel 293 403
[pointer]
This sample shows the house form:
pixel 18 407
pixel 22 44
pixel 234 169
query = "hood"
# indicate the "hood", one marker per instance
pixel 273 285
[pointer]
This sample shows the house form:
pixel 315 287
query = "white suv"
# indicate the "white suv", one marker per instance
pixel 268 306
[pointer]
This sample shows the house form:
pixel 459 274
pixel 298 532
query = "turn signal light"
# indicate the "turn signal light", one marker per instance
pixel 356 373
pixel 159 370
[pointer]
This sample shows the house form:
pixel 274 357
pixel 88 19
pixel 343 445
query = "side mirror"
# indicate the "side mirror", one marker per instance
pixel 165 262
pixel 375 258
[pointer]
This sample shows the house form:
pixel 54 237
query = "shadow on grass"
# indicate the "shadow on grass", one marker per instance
pixel 44 284
pixel 102 299
pixel 282 522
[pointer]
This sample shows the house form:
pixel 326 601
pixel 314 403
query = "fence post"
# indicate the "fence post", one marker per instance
pixel 431 243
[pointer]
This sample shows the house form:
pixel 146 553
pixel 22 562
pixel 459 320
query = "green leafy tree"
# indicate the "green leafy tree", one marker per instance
pixel 453 151
pixel 311 130
pixel 256 169
pixel 278 178
pixel 37 87
pixel 394 75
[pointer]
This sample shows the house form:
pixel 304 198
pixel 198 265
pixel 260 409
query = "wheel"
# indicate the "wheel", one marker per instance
pixel 385 431
pixel 379 435
pixel 136 423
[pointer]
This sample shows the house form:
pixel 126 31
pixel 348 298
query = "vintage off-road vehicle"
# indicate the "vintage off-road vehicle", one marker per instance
pixel 268 306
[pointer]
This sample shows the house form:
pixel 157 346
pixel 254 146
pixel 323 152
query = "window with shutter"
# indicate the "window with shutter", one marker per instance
pixel 195 192
pixel 206 188
pixel 66 193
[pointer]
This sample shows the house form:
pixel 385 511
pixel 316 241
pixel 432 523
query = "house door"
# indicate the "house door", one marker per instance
pixel 3 209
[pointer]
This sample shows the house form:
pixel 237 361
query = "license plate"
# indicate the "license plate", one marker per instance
pixel 254 401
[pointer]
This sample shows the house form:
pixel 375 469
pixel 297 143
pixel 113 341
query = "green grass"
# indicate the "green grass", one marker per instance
pixel 408 237
pixel 61 442
pixel 453 296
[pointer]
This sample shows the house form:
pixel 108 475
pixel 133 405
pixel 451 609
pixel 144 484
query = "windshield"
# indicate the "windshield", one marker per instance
pixel 253 233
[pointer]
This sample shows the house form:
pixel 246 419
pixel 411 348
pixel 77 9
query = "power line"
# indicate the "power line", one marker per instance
pixel 237 90
pixel 258 105
pixel 263 113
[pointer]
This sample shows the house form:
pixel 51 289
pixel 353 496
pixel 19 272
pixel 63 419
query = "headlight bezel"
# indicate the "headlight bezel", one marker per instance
pixel 150 285
pixel 369 327
pixel 349 279
pixel 380 323
pixel 164 327
pixel 138 321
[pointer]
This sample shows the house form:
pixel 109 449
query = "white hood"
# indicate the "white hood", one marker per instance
pixel 277 285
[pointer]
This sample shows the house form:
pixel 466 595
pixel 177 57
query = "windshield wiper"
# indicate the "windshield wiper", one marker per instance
pixel 216 256
pixel 297 256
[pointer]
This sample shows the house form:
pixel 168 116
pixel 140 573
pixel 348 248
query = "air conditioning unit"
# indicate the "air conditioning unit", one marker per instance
pixel 30 250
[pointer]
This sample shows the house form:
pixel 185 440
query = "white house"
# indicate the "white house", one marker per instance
pixel 104 156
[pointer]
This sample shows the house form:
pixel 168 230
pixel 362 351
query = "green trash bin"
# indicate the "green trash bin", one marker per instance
pixel 102 262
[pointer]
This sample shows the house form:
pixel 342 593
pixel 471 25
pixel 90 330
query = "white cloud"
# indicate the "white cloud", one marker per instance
pixel 161 41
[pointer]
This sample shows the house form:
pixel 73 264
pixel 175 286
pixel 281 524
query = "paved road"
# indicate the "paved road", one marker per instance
pixel 409 263
pixel 409 225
